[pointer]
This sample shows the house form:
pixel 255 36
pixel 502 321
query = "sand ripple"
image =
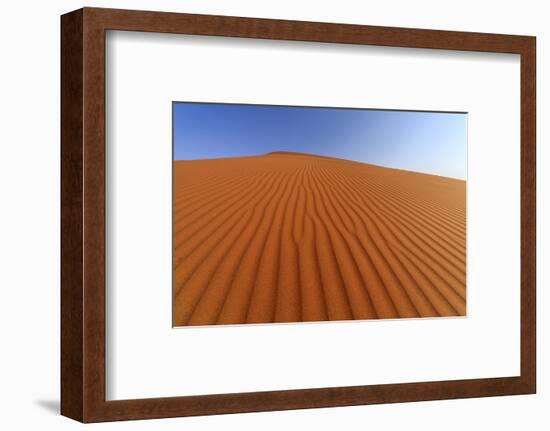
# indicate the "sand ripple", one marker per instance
pixel 290 237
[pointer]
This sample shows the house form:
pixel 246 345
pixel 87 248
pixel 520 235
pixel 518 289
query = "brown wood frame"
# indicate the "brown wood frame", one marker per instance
pixel 83 215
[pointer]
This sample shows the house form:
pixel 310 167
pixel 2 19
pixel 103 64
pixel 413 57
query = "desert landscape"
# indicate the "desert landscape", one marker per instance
pixel 295 237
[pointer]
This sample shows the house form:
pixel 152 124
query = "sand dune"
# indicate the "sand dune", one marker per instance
pixel 290 237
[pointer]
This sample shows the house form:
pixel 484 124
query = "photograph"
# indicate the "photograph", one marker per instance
pixel 309 214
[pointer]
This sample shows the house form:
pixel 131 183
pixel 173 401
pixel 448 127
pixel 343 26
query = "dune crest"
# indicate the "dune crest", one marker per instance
pixel 291 237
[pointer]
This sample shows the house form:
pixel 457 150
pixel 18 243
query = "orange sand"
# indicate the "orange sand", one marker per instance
pixel 290 237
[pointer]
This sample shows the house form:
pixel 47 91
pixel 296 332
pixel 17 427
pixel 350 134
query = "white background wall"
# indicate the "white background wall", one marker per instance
pixel 29 227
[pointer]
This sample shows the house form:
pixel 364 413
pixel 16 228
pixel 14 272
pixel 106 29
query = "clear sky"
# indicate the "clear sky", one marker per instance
pixel 429 142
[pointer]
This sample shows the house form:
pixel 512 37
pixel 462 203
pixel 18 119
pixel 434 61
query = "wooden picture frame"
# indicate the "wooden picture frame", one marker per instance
pixel 83 214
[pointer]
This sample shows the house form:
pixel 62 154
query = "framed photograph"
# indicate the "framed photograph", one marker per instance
pixel 266 215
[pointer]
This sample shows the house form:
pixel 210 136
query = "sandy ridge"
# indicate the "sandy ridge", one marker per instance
pixel 290 237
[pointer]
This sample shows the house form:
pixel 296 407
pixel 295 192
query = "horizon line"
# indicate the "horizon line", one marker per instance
pixel 299 153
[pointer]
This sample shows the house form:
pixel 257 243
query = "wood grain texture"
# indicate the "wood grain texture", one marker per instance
pixel 72 245
pixel 528 217
pixel 94 215
pixel 83 218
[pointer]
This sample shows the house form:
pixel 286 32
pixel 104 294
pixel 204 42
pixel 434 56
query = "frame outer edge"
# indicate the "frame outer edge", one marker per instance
pixel 528 217
pixel 72 245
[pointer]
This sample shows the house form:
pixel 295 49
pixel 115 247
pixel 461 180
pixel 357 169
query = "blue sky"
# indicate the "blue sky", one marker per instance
pixel 429 142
